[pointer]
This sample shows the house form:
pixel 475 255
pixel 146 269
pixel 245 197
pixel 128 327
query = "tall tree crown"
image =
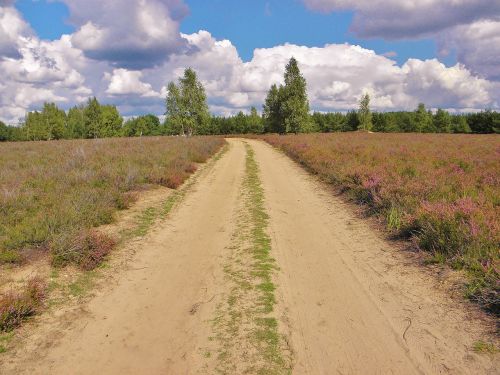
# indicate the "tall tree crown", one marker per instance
pixel 186 105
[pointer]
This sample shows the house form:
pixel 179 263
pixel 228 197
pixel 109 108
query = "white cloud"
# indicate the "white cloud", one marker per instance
pixel 131 34
pixel 35 70
pixel 455 87
pixel 477 46
pixel 125 82
pixel 38 71
pixel 471 28
pixel 337 75
pixel 395 19
pixel 12 27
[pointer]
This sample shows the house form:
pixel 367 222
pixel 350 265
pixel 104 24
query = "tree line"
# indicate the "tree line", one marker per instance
pixel 286 110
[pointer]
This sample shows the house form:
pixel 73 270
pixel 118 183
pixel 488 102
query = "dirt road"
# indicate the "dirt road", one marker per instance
pixel 261 270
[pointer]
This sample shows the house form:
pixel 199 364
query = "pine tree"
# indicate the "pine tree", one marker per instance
pixel 460 125
pixel 295 103
pixel 352 121
pixel 364 113
pixel 92 118
pixel 4 132
pixel 255 125
pixel 272 112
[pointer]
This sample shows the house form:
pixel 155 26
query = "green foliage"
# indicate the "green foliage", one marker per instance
pixel 92 118
pixel 90 121
pixel 45 125
pixel 442 121
pixel 4 132
pixel 328 122
pixel 419 121
pixel 75 123
pixel 364 113
pixel 173 112
pixel 240 124
pixel 112 122
pixel 460 125
pixel 286 109
pixel 352 121
pixel 186 105
pixel 147 125
pixel 423 120
pixel 484 122
pixel 254 122
pixel 294 102
pixel 273 114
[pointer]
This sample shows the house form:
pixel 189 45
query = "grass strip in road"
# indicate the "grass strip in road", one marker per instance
pixel 245 327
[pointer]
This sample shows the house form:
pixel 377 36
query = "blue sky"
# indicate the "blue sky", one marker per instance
pixel 251 24
pixel 443 53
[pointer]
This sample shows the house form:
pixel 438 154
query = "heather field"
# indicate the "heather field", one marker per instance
pixel 441 191
pixel 53 193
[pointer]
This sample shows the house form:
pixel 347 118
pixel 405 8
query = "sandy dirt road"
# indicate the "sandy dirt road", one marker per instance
pixel 347 302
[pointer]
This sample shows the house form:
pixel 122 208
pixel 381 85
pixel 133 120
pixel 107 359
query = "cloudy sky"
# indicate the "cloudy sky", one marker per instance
pixel 444 53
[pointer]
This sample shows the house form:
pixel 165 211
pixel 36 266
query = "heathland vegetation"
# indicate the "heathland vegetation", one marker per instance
pixel 439 191
pixel 53 194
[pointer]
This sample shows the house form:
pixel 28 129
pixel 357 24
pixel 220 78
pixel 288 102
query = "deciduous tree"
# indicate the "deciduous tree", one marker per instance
pixel 364 113
pixel 186 104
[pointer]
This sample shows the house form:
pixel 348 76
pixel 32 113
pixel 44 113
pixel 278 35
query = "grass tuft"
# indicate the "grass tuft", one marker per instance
pixel 485 347
pixel 86 248
pixel 17 307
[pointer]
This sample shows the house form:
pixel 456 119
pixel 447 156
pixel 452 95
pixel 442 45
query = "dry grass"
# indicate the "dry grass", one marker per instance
pixel 442 191
pixel 53 193
pixel 16 307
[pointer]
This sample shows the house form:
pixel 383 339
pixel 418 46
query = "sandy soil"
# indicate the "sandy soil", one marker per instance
pixel 347 301
pixel 353 304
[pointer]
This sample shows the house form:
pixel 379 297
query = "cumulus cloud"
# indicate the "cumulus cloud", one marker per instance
pixel 455 87
pixel 125 82
pixel 12 27
pixel 37 70
pixel 477 46
pixel 135 35
pixel 69 70
pixel 396 19
pixel 337 75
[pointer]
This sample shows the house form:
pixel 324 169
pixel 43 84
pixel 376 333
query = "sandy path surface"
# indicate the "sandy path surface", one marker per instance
pixel 154 320
pixel 347 301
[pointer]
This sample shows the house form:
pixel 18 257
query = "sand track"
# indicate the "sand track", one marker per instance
pixel 347 301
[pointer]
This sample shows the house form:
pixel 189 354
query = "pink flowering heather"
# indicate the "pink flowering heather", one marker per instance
pixel 444 189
